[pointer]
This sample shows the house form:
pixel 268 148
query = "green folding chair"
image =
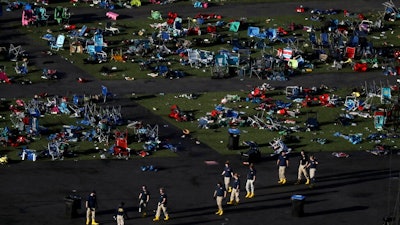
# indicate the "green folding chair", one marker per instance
pixel 234 26
pixel 155 15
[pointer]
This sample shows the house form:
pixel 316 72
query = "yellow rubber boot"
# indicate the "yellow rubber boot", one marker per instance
pixel 218 212
pixel 87 221
pixel 283 181
pixel 94 223
pixel 251 195
pixel 230 203
pixel 166 218
pixel 308 181
pixel 247 195
pixel 156 218
pixel 280 181
pixel 221 212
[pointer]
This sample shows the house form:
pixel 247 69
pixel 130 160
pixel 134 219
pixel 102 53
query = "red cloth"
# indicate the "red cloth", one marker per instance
pixel 360 67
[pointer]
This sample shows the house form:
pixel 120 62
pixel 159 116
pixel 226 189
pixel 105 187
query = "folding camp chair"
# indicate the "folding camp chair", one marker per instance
pixel 325 40
pixel 287 53
pixel 258 68
pixel 220 69
pixel 28 16
pixel 105 93
pixel 41 15
pixel 80 33
pixel 4 77
pixel 350 52
pixel 136 3
pixel 59 44
pixel 234 26
pixel 253 31
pixel 193 58
pixel 386 95
pixel 379 120
pixel 14 52
pixel 110 28
pixel 61 15
pixel 155 15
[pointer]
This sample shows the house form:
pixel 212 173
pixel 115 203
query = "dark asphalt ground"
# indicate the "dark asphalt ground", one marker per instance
pixel 361 189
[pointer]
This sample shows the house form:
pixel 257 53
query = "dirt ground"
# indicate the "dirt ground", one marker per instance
pixel 361 189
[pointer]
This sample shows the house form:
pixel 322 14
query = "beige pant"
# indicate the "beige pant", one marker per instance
pixel 163 208
pixel 281 171
pixel 235 195
pixel 250 186
pixel 302 171
pixel 227 182
pixel 312 173
pixel 219 202
pixel 120 220
pixel 90 213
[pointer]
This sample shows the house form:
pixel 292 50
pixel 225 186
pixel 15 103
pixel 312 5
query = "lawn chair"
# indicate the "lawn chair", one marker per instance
pixel 279 146
pixel 193 58
pixel 80 33
pixel 220 69
pixel 59 44
pixel 155 15
pixel 28 16
pixel 312 123
pixel 117 57
pixel 253 31
pixel 61 15
pixel 386 95
pixel 105 93
pixel 350 52
pixel 234 26
pixel 21 68
pixel 313 40
pixel 4 78
pixel 325 42
pixel 379 120
pixel 136 3
pixel 41 15
pixel 258 68
pixel 111 29
pixel 120 148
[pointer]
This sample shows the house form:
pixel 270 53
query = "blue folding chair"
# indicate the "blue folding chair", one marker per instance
pixel 105 93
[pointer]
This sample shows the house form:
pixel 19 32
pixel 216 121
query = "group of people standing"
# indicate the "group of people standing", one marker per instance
pixel 307 168
pixel 232 185
pixel 144 198
pixel 120 213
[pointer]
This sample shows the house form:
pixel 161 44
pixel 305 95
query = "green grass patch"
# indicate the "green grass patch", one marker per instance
pixel 217 138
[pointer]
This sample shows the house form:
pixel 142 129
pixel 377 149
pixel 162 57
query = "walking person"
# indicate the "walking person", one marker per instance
pixel 228 174
pixel 251 178
pixel 162 206
pixel 282 163
pixel 120 214
pixel 144 198
pixel 219 195
pixel 234 199
pixel 312 164
pixel 303 165
pixel 91 205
